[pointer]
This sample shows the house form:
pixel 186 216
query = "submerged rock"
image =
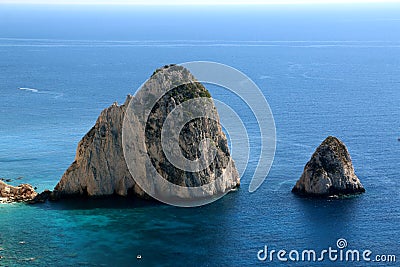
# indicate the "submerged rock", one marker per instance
pixel 329 172
pixel 100 168
pixel 21 193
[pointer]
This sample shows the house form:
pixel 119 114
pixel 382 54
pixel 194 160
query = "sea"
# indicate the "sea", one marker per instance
pixel 324 70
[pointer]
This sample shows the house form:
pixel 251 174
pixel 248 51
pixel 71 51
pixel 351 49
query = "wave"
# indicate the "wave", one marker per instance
pixel 263 77
pixel 33 90
pixel 200 45
pixel 291 143
pixel 307 76
pixel 285 185
pixel 10 160
pixel 15 42
pixel 29 89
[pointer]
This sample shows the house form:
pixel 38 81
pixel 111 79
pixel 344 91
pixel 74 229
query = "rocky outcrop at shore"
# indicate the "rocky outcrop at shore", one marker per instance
pixel 21 193
pixel 100 168
pixel 329 172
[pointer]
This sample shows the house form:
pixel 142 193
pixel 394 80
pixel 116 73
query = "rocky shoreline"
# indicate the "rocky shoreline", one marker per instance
pixel 20 193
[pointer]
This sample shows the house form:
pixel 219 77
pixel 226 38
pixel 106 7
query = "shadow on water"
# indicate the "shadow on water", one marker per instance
pixel 114 202
pixel 340 208
pixel 330 219
pixel 109 202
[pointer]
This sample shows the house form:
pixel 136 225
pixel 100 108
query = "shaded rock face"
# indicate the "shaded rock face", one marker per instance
pixel 329 172
pixel 21 193
pixel 43 197
pixel 100 168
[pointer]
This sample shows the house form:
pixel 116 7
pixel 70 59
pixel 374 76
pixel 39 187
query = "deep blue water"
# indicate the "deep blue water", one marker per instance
pixel 324 71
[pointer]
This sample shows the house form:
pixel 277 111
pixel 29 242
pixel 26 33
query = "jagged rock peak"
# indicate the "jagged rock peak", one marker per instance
pixel 329 172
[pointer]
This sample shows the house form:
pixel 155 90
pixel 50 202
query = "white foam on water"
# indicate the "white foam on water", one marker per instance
pixel 29 89
pixel 14 42
pixel 307 76
pixel 263 77
pixel 33 90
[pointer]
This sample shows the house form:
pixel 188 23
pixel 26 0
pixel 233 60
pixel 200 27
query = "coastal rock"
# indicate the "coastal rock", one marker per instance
pixel 329 172
pixel 42 197
pixel 21 193
pixel 100 168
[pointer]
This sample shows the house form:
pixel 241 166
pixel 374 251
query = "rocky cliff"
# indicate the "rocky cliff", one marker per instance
pixel 100 167
pixel 329 172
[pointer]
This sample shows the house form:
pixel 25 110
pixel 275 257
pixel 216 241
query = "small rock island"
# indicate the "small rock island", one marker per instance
pixel 21 193
pixel 329 172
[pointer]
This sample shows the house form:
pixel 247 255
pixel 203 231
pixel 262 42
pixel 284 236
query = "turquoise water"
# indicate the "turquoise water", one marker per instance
pixel 343 82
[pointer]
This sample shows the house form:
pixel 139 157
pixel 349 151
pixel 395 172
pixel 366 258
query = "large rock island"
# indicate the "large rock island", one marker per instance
pixel 100 168
pixel 329 172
